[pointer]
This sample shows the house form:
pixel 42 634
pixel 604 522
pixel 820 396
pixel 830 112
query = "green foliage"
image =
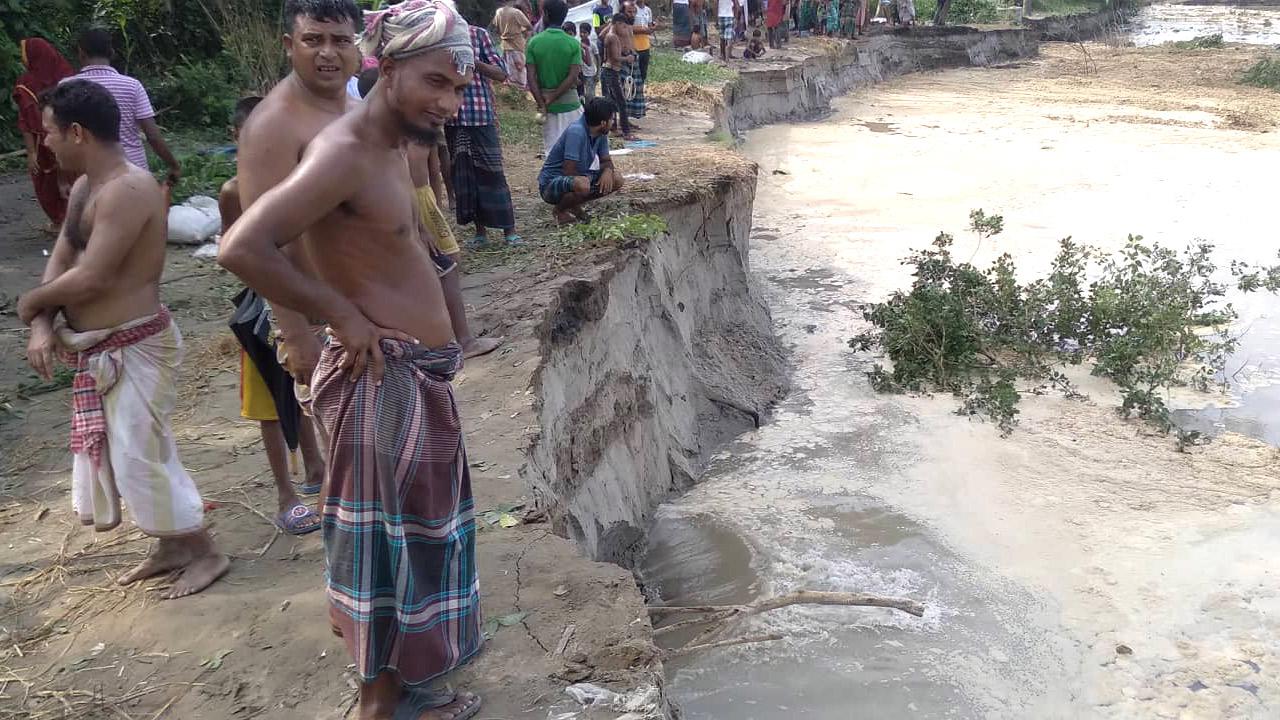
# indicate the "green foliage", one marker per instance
pixel 1059 8
pixel 1200 42
pixel 600 232
pixel 250 36
pixel 564 245
pixel 203 174
pixel 1264 74
pixel 666 66
pixel 148 36
pixel 959 12
pixel 197 93
pixel 34 385
pixel 518 124
pixel 1150 319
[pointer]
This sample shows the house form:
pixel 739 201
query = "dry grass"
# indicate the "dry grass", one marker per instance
pixel 35 621
pixel 684 94
pixel 209 357
pixel 683 174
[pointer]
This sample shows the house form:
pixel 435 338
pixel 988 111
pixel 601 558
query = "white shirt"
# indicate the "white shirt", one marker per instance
pixel 726 8
pixel 644 16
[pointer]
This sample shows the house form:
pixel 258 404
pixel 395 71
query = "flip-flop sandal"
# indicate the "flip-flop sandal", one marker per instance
pixel 416 702
pixel 294 520
pixel 306 489
pixel 514 240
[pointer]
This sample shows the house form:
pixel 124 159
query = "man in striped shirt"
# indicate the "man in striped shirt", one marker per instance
pixel 137 117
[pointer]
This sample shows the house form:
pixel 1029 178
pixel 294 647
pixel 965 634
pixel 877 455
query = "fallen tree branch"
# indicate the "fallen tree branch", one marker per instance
pixel 678 652
pixel 799 597
pixel 683 624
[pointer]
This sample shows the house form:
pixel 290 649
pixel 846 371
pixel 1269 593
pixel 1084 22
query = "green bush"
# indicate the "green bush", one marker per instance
pixel 203 174
pixel 198 93
pixel 1059 8
pixel 1147 318
pixel 973 11
pixel 1200 42
pixel 1264 74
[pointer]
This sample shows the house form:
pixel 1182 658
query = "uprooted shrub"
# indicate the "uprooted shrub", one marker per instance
pixel 1264 74
pixel 1149 318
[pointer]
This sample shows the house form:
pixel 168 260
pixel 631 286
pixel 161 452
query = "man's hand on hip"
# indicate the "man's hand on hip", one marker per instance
pixel 361 341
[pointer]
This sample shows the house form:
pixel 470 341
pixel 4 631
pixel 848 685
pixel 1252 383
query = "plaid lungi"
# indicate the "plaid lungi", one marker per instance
pixel 635 103
pixel 480 188
pixel 399 525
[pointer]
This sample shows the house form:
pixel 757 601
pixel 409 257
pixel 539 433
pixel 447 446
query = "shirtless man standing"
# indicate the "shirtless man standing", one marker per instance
pixel 399 526
pixel 98 305
pixel 321 45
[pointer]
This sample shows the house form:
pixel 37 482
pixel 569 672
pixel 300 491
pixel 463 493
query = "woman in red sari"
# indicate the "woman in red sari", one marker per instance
pixel 45 67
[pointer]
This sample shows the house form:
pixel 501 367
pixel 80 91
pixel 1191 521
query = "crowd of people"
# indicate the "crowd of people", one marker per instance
pixel 352 321
pixel 734 18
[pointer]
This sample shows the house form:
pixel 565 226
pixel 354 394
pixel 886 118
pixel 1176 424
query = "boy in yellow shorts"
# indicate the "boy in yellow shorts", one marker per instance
pixel 442 237
pixel 258 402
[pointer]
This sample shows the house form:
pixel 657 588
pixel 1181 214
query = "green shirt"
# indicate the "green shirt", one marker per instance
pixel 553 51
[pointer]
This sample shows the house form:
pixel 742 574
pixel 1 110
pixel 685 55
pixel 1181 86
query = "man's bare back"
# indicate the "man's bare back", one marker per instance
pixel 116 230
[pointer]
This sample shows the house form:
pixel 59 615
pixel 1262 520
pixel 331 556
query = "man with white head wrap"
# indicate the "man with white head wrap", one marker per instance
pixel 399 526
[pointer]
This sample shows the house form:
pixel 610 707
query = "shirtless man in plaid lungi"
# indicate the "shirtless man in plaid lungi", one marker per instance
pixel 399 526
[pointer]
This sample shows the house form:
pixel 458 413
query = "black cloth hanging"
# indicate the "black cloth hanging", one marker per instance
pixel 251 324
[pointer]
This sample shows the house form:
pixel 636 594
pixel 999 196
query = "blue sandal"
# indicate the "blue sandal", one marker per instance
pixel 298 520
pixel 413 703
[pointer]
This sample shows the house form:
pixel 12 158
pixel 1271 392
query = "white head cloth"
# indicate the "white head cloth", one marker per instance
pixel 416 26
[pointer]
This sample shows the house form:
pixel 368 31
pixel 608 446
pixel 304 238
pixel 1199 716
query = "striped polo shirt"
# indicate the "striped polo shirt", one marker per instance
pixel 134 106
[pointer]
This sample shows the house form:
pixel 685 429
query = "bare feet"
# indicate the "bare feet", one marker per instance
pixel 163 558
pixel 466 705
pixel 564 218
pixel 480 346
pixel 199 574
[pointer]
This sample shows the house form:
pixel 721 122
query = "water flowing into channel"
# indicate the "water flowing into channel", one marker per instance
pixel 1075 570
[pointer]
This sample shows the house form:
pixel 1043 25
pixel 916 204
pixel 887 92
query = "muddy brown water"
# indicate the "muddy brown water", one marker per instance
pixel 1159 23
pixel 1079 569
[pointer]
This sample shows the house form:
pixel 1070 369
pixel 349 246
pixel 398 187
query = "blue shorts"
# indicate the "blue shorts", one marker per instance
pixel 556 188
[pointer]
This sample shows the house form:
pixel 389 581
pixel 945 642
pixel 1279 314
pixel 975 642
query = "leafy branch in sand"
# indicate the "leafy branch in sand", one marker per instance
pixel 1264 74
pixel 1148 318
